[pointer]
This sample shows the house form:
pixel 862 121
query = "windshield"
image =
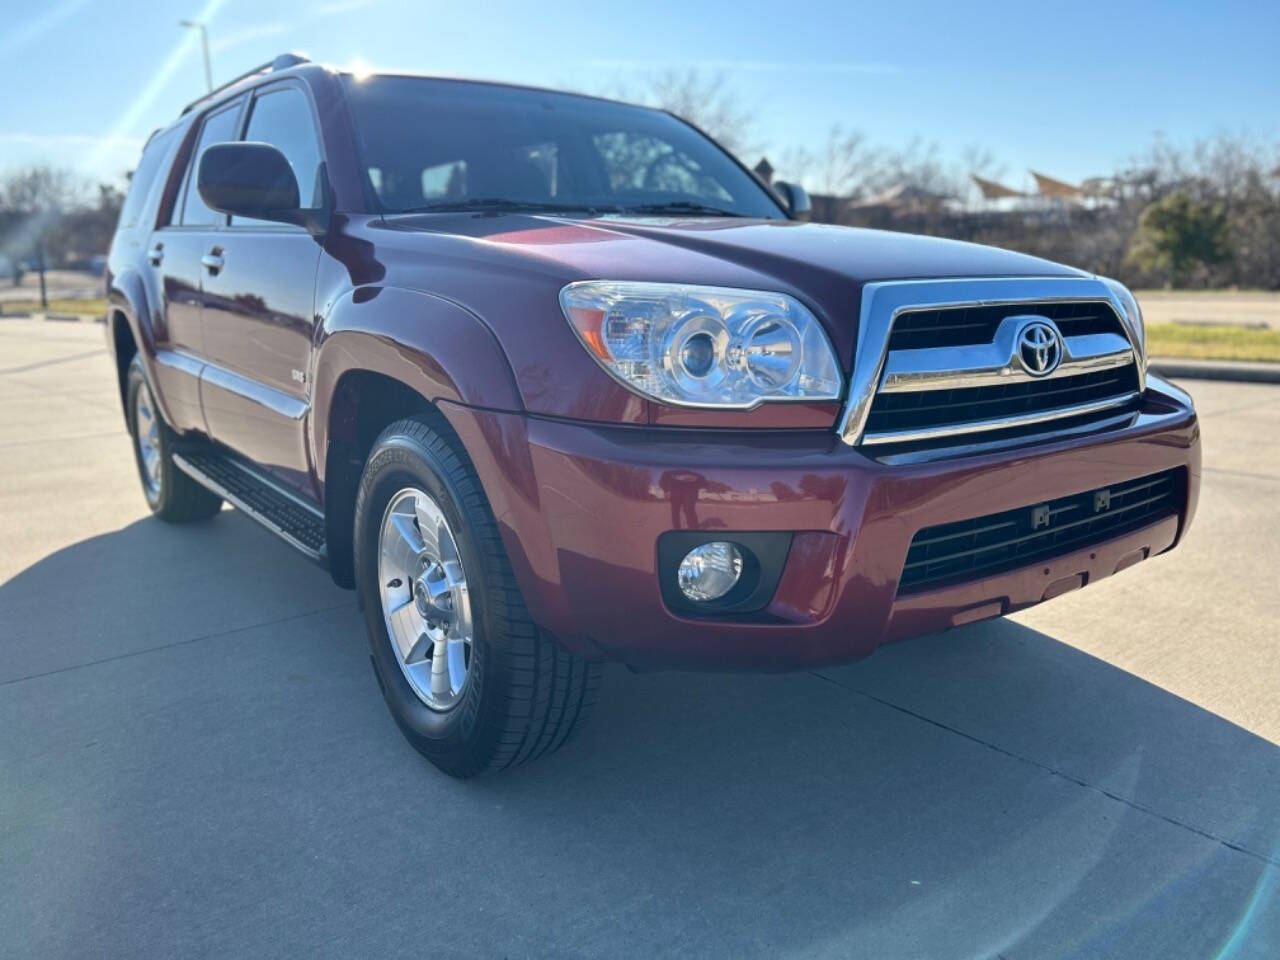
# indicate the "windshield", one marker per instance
pixel 443 144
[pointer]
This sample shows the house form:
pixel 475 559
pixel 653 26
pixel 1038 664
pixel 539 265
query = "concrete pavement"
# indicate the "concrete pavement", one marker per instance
pixel 195 760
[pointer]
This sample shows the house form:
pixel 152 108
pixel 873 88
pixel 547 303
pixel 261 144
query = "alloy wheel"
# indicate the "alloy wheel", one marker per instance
pixel 147 430
pixel 425 603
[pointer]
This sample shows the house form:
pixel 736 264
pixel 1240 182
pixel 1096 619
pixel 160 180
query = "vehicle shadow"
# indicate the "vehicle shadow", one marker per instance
pixel 987 792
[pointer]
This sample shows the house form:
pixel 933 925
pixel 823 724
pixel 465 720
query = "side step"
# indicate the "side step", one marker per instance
pixel 292 519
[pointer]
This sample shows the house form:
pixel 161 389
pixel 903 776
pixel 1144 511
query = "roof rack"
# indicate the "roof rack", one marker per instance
pixel 282 62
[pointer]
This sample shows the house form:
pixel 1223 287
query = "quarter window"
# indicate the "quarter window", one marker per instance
pixel 145 178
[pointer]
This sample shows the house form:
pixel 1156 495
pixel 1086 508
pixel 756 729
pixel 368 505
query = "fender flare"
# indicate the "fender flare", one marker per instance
pixel 127 295
pixel 431 345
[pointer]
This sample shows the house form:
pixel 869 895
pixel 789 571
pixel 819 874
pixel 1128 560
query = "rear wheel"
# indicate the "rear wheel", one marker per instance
pixel 472 683
pixel 170 493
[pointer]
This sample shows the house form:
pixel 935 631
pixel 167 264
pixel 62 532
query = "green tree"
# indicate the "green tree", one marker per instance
pixel 1178 233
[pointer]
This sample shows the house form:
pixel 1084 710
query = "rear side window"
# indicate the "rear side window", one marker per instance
pixel 282 118
pixel 144 180
pixel 218 128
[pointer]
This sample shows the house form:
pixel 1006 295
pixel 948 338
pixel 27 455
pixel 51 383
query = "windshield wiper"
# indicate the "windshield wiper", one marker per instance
pixel 505 204
pixel 682 206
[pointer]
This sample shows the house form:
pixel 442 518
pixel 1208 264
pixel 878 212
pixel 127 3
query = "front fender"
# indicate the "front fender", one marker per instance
pixel 431 345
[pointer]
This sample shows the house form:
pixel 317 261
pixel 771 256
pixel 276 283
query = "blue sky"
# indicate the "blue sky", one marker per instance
pixel 1068 89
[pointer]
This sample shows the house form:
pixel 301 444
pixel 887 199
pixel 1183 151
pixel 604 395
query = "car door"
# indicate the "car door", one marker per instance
pixel 174 252
pixel 258 306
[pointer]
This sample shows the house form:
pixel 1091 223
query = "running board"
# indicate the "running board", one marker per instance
pixel 286 515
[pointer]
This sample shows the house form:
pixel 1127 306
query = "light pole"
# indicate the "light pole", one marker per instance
pixel 204 42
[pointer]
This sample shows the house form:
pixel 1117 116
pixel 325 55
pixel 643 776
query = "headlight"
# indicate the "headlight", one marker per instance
pixel 703 346
pixel 1132 318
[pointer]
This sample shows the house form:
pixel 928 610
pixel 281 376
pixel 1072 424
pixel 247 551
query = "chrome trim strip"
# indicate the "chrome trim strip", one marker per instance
pixel 999 423
pixel 202 478
pixel 177 360
pixel 278 402
pixel 987 364
pixel 882 302
pixel 975 448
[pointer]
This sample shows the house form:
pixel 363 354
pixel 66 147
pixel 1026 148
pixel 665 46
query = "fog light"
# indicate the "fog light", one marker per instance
pixel 710 570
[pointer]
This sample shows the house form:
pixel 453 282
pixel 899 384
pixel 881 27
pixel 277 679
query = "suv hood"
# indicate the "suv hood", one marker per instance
pixel 820 264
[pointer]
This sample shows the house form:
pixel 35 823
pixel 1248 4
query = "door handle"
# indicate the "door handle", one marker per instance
pixel 156 254
pixel 213 261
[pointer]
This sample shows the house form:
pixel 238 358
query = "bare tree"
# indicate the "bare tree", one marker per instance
pixel 47 214
pixel 839 168
pixel 706 101
pixel 33 202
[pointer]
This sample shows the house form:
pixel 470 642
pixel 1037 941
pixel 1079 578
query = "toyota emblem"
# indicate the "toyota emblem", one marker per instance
pixel 1040 348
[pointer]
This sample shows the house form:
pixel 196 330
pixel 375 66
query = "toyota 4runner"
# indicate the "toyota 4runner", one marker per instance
pixel 552 380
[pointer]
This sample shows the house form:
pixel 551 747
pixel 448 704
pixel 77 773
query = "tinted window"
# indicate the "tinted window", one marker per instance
pixel 144 179
pixel 429 142
pixel 282 118
pixel 218 128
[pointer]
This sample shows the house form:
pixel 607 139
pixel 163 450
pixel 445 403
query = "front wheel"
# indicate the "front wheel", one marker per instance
pixel 472 683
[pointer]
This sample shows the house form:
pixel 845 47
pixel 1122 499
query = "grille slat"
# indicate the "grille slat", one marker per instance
pixel 891 412
pixel 987 545
pixel 958 326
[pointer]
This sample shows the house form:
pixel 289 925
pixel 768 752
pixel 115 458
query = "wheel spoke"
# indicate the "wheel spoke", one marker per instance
pixel 441 686
pixel 457 655
pixel 406 626
pixel 428 527
pixel 412 540
pixel 421 650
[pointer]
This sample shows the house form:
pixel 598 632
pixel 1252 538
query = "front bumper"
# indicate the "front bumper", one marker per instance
pixel 581 508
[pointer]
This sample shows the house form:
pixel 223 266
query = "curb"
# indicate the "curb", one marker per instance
pixel 1238 371
pixel 55 317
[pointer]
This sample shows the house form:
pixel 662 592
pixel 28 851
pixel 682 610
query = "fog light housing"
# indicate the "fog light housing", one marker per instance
pixel 709 571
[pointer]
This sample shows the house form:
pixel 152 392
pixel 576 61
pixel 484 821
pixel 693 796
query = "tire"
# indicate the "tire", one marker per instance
pixel 521 693
pixel 170 493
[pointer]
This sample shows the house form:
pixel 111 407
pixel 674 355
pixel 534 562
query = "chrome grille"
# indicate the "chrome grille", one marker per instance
pixel 952 363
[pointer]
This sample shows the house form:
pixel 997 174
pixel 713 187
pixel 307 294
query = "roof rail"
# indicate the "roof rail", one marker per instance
pixel 282 62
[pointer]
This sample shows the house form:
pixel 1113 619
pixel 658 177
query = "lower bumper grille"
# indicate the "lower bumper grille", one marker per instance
pixel 998 542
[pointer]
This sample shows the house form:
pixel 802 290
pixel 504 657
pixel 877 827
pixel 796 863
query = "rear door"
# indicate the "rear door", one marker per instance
pixel 258 320
pixel 174 252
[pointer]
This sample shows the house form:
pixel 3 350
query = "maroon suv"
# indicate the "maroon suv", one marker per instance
pixel 552 380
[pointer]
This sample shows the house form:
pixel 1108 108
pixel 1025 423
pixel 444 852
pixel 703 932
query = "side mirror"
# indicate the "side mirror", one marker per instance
pixel 794 198
pixel 251 180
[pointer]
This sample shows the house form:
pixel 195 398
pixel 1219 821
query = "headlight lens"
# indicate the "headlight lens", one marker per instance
pixel 1132 317
pixel 704 346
